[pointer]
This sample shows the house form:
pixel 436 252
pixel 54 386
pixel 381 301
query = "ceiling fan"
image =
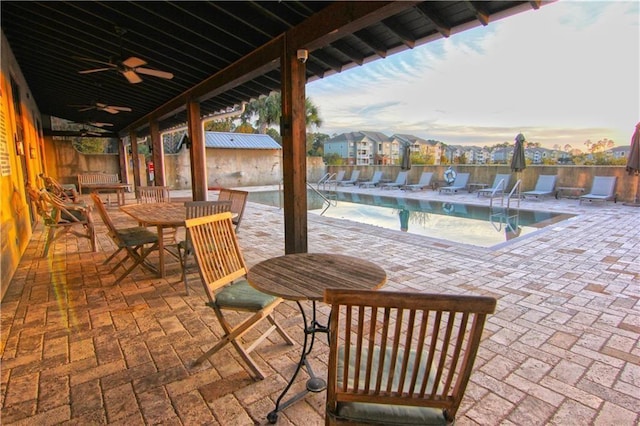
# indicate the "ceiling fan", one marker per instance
pixel 100 106
pixel 98 124
pixel 86 132
pixel 129 68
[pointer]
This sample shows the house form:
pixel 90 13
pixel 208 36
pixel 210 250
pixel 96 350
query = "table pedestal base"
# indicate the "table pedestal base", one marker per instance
pixel 314 384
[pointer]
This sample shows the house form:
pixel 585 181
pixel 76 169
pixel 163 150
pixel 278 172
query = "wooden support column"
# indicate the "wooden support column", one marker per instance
pixel 197 153
pixel 124 162
pixel 157 155
pixel 294 156
pixel 133 138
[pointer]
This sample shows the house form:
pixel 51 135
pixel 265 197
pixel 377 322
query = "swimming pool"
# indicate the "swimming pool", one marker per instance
pixel 463 223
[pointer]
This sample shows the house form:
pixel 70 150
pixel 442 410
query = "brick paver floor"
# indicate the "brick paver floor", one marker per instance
pixel 562 348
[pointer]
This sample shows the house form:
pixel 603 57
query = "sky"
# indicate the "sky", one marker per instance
pixel 563 74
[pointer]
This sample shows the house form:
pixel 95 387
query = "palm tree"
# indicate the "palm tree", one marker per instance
pixel 268 110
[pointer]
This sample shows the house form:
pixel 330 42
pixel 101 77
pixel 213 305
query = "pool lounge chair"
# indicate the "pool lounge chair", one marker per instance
pixel 459 183
pixel 375 180
pixel 500 184
pixel 339 177
pixel 401 180
pixel 546 185
pixel 352 180
pixel 425 181
pixel 603 189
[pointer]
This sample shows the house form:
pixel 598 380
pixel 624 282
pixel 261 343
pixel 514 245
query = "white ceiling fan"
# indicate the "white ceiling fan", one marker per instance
pixel 100 106
pixel 129 68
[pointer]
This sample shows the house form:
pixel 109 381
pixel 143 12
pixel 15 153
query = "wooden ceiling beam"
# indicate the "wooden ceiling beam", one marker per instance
pixel 441 26
pixel 481 13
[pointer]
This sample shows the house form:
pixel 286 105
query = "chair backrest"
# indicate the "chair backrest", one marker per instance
pixel 505 178
pixel 401 179
pixel 206 208
pixel 354 175
pixel 340 176
pixel 216 248
pixel 376 176
pixel 425 178
pixel 104 215
pixel 153 194
pixel 603 185
pixel 546 183
pixel 56 188
pixel 461 179
pixel 402 348
pixel 238 202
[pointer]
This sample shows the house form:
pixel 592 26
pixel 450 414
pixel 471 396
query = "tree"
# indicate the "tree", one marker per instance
pixel 245 128
pixel 274 135
pixel 220 126
pixel 315 143
pixel 266 111
pixel 333 159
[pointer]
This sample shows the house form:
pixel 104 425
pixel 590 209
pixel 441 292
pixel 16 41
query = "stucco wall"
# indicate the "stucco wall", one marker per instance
pixel 15 217
pixel 573 176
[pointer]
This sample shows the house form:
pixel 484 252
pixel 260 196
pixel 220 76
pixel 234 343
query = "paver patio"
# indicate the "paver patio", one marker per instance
pixel 562 348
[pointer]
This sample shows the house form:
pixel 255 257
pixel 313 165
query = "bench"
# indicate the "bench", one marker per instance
pixel 96 178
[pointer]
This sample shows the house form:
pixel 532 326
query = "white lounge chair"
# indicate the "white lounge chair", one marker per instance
pixel 603 189
pixel 546 185
pixel 352 180
pixel 500 184
pixel 401 180
pixel 375 180
pixel 338 178
pixel 425 181
pixel 459 183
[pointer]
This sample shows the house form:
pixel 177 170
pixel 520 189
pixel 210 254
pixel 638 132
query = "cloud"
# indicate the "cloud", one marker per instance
pixel 562 74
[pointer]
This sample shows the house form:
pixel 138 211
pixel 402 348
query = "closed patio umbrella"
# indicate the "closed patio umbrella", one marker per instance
pixel 633 164
pixel 518 163
pixel 406 157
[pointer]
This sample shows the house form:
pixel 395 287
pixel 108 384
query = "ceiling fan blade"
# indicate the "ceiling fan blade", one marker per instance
pixel 119 108
pixel 110 110
pixel 93 70
pixel 132 76
pixel 87 108
pixel 155 73
pixel 134 62
pixel 99 124
pixel 95 61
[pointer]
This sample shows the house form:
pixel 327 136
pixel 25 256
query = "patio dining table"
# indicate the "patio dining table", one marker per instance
pixel 160 215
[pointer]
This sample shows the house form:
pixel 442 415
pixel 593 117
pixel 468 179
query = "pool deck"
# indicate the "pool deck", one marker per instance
pixel 562 348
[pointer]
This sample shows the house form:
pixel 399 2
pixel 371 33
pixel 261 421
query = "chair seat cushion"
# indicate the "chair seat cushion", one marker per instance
pixel 385 413
pixel 136 236
pixel 240 295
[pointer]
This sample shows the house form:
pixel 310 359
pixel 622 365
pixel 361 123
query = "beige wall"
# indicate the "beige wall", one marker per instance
pixel 573 176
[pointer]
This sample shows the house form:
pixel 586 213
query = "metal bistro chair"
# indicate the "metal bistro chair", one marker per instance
pixel 197 209
pixel 238 202
pixel 223 272
pixel 131 240
pixel 400 358
pixel 63 217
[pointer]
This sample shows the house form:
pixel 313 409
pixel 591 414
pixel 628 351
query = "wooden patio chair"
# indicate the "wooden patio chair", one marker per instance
pixel 60 218
pixel 130 240
pixel 400 358
pixel 238 202
pixel 67 192
pixel 197 209
pixel 153 194
pixel 223 272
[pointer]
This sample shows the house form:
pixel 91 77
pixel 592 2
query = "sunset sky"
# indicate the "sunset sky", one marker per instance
pixel 562 74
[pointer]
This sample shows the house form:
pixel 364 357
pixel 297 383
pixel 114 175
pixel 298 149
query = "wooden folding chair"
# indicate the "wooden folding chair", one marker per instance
pixel 223 272
pixel 238 202
pixel 130 240
pixel 63 217
pixel 400 358
pixel 153 194
pixel 197 209
pixel 67 192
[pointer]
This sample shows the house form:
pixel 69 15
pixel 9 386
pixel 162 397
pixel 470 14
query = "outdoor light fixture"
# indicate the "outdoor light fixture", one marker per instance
pixel 303 55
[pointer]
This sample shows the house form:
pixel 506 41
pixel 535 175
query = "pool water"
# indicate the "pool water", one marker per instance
pixel 462 223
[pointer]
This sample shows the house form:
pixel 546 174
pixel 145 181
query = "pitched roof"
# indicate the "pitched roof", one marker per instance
pixel 239 141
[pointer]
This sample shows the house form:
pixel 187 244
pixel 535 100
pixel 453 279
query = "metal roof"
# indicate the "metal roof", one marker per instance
pixel 239 141
pixel 200 41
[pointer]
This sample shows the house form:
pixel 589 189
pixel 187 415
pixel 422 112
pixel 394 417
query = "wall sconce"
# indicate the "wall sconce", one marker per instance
pixel 32 153
pixel 130 150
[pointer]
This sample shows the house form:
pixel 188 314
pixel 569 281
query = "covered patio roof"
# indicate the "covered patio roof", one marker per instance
pixel 220 53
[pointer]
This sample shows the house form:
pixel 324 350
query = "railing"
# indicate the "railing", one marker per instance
pixel 505 214
pixel 327 179
pixel 326 201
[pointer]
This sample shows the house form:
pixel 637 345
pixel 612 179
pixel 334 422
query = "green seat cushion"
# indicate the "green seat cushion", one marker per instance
pixel 385 413
pixel 240 295
pixel 136 236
